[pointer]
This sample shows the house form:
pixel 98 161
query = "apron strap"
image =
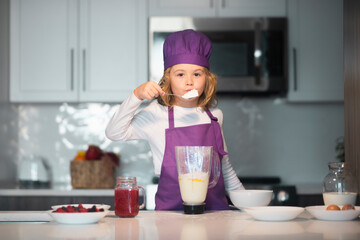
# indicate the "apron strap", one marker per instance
pixel 217 132
pixel 171 117
pixel 210 115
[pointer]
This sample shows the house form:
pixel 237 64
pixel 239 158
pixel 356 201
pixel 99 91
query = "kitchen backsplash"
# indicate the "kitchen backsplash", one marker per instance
pixel 265 137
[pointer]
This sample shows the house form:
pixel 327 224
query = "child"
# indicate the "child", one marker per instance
pixel 175 121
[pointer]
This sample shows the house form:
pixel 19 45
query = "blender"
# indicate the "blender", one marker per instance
pixel 196 166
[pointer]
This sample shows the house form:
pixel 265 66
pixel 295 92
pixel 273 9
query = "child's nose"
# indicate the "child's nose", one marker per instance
pixel 189 81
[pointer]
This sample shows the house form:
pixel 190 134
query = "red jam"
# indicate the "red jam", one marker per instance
pixel 126 202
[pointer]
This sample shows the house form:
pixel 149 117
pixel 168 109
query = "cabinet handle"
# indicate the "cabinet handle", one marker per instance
pixel 211 3
pixel 84 69
pixel 222 3
pixel 295 70
pixel 72 69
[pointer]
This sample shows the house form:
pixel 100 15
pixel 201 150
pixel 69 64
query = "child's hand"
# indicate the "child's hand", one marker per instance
pixel 148 91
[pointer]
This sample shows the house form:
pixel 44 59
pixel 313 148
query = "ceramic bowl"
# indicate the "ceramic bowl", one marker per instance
pixel 77 218
pixel 320 212
pixel 250 198
pixel 274 213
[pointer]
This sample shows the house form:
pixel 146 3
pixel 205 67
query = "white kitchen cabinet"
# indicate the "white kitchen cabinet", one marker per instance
pixel 43 64
pixel 251 8
pixel 77 50
pixel 218 8
pixel 198 8
pixel 315 50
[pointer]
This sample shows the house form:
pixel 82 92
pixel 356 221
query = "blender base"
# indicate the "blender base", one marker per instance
pixel 194 209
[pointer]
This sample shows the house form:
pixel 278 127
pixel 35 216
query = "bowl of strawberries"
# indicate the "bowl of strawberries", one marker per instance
pixel 78 213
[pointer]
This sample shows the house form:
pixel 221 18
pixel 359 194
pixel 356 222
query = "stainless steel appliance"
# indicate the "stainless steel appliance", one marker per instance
pixel 249 54
pixel 34 172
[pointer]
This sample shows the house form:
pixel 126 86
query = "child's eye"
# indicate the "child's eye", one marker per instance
pixel 197 74
pixel 180 75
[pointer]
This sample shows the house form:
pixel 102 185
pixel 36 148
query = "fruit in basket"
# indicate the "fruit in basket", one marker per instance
pixel 93 153
pixel 114 158
pixel 80 156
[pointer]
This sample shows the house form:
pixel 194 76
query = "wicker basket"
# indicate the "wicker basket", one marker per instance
pixel 93 174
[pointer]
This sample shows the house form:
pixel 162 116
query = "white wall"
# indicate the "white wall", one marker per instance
pixel 265 137
pixel 270 137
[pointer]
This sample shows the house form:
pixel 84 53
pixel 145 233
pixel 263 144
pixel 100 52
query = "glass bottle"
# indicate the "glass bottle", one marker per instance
pixel 127 197
pixel 339 186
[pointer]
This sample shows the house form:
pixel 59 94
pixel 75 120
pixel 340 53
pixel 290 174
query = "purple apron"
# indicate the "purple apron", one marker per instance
pixel 168 196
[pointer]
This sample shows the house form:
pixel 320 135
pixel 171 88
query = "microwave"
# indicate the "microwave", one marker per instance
pixel 249 55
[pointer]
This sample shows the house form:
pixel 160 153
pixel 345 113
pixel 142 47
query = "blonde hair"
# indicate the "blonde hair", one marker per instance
pixel 207 99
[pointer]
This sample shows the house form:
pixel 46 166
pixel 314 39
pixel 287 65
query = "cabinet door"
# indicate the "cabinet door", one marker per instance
pixel 316 50
pixel 251 8
pixel 197 8
pixel 43 50
pixel 113 48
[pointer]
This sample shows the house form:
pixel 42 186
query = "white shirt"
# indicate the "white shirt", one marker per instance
pixel 150 124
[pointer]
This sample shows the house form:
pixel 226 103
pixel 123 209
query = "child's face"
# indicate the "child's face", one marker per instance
pixel 186 77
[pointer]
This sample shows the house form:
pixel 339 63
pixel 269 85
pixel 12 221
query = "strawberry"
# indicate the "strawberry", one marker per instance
pixel 60 210
pixel 70 209
pixel 93 153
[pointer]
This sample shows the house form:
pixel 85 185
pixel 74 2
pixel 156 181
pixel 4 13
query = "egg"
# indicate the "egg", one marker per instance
pixel 333 208
pixel 348 207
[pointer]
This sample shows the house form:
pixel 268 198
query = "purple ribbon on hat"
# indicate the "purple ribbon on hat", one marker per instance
pixel 187 46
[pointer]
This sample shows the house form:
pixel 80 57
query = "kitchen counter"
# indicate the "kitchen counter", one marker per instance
pixel 176 225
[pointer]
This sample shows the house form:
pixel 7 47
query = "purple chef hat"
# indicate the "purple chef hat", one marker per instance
pixel 187 46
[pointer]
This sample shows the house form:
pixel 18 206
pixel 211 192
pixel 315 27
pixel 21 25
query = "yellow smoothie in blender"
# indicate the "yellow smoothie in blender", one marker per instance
pixel 193 187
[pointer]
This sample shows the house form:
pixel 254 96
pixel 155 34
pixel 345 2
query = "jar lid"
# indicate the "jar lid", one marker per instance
pixel 125 179
pixel 335 165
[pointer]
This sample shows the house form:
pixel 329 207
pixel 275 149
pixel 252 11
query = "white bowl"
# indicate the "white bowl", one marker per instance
pixel 274 213
pixel 250 198
pixel 78 218
pixel 320 212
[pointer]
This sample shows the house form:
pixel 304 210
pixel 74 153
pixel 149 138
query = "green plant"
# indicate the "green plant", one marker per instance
pixel 340 149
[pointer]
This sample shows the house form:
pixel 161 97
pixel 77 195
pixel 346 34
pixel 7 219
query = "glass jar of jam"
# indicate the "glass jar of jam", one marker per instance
pixel 127 197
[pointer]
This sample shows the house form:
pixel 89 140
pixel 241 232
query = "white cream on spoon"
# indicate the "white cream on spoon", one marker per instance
pixel 191 94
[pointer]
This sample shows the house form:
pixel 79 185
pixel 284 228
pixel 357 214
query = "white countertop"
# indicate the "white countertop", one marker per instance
pixel 176 225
